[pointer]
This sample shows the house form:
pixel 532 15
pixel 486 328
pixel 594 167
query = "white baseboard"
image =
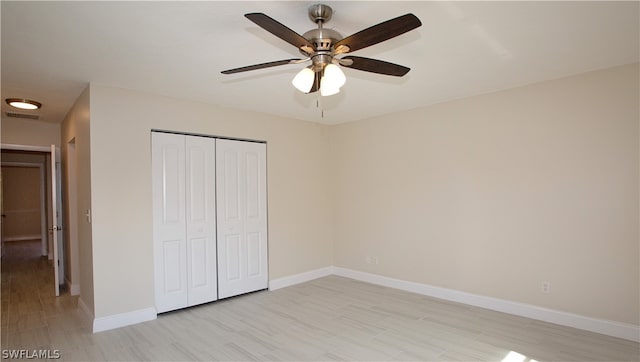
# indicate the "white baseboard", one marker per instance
pixel 74 289
pixel 125 319
pixel 610 328
pixel 299 278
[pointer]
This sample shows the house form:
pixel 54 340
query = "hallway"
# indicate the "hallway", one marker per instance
pixel 32 317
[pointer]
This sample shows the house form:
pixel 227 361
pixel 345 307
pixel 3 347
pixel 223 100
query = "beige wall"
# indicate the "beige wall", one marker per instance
pixel 491 194
pixel 76 128
pixel 496 193
pixel 121 123
pixel 31 133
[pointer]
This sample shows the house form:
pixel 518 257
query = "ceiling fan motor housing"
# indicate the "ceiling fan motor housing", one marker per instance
pixel 322 39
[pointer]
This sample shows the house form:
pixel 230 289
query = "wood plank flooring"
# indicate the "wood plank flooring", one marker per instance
pixel 328 319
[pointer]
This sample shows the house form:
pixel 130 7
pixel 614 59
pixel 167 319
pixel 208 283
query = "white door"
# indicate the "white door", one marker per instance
pixel 169 221
pixel 184 219
pixel 241 187
pixel 201 219
pixel 56 228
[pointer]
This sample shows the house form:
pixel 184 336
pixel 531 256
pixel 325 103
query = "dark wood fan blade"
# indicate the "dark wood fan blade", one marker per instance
pixel 281 31
pixel 380 32
pixel 375 66
pixel 260 66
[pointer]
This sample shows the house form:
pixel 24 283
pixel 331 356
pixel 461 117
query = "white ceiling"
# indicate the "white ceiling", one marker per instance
pixel 51 50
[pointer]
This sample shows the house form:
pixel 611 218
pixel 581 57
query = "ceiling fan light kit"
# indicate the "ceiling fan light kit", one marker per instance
pixel 334 75
pixel 322 46
pixel 326 91
pixel 303 81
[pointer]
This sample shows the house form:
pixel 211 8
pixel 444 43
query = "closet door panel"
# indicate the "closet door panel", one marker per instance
pixel 169 224
pixel 231 181
pixel 198 263
pixel 242 217
pixel 201 220
pixel 172 250
pixel 232 256
pixel 254 253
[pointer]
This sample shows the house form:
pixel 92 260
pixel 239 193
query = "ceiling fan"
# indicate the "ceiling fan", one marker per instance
pixel 322 47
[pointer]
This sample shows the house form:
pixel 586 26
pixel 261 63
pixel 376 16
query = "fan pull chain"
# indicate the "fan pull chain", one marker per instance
pixel 318 106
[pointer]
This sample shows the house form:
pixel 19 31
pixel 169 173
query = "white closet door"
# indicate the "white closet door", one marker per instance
pixel 169 222
pixel 201 219
pixel 241 187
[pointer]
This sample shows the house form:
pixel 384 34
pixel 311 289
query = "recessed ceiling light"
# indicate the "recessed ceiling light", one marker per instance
pixel 23 103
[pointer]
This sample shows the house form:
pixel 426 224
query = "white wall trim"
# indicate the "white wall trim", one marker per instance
pixel 299 278
pixel 10 146
pixel 610 328
pixel 124 319
pixel 74 289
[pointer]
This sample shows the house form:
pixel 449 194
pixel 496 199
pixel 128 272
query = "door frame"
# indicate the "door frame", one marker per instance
pixel 71 219
pixel 55 156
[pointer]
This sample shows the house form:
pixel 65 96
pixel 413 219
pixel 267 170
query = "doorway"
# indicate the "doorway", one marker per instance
pixel 29 204
pixel 24 210
pixel 24 206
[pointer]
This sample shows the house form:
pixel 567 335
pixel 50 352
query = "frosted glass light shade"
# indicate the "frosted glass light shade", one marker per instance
pixel 327 90
pixel 303 81
pixel 333 77
pixel 23 103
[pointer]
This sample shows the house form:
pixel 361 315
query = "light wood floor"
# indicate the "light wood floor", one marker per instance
pixel 327 319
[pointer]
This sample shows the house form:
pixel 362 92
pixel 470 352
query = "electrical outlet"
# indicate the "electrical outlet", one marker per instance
pixel 546 287
pixel 371 259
